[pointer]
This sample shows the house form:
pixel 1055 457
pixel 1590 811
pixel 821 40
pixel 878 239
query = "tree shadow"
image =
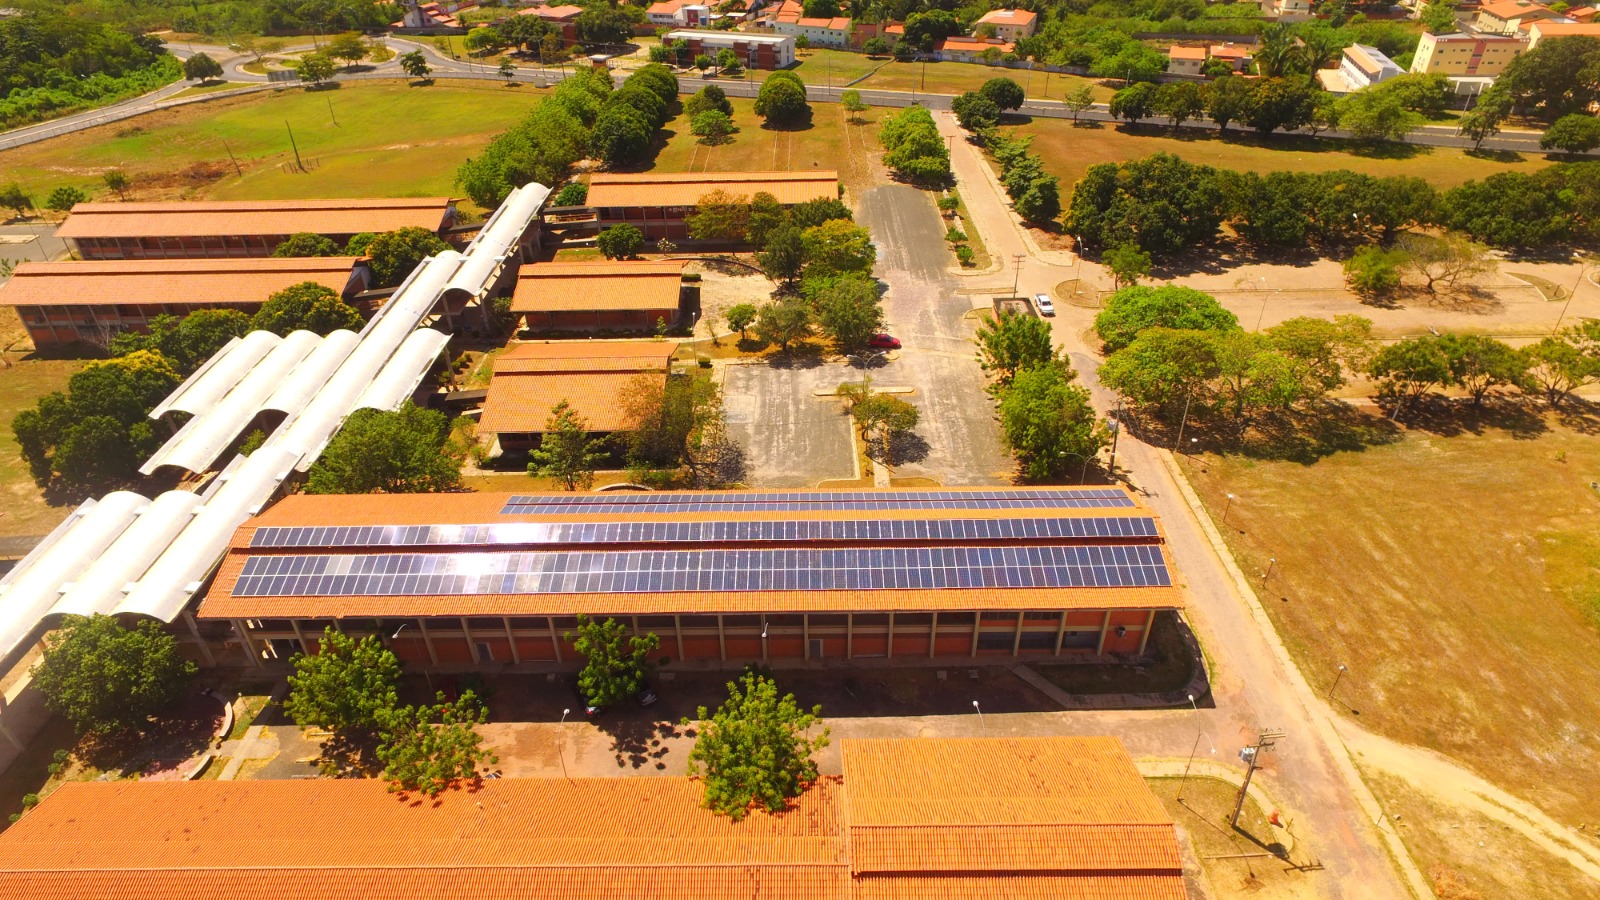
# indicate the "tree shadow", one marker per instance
pixel 425 82
pixel 1305 436
pixel 1499 156
pixel 904 447
pixel 798 356
pixel 636 743
pixel 1452 416
pixel 171 737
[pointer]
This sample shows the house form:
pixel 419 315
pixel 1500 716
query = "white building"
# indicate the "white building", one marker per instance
pixel 1364 66
pixel 834 32
pixel 1010 24
pixel 755 51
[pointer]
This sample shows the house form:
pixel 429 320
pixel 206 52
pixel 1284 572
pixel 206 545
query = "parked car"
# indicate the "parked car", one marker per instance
pixel 884 342
pixel 1042 301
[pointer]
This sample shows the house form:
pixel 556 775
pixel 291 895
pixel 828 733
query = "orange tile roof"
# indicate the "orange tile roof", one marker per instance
pixel 586 356
pixel 558 13
pixel 1229 51
pixel 838 23
pixel 569 838
pixel 565 287
pixel 251 217
pixel 665 7
pixel 142 281
pixel 1008 17
pixel 1567 29
pixel 678 189
pixel 1176 52
pixel 1513 9
pixel 971 45
pixel 520 402
pixel 1055 804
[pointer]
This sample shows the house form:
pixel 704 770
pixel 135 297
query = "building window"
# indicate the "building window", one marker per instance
pixel 996 640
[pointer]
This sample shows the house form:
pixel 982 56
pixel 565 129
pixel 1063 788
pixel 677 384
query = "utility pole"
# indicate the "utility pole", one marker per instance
pixel 238 171
pixel 1016 275
pixel 1182 422
pixel 331 113
pixel 298 164
pixel 1116 432
pixel 1252 756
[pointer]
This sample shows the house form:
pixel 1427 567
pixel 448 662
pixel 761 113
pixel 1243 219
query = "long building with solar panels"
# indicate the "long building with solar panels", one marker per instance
pixel 493 579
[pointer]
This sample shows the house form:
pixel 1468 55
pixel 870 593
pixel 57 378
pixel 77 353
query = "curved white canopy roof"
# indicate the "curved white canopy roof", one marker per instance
pixel 498 239
pixel 403 373
pixel 310 376
pixel 213 380
pixel 99 589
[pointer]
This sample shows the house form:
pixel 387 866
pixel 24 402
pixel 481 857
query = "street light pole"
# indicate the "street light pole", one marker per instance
pixel 1582 271
pixel 979 710
pixel 1336 677
pixel 561 740
pixel 1225 508
pixel 1116 432
pixel 1182 422
pixel 1192 750
pixel 1016 276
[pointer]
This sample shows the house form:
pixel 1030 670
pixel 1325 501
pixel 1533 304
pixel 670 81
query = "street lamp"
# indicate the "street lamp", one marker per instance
pixel 980 715
pixel 561 739
pixel 1583 270
pixel 1192 750
pixel 1338 675
pixel 1083 477
pixel 1225 508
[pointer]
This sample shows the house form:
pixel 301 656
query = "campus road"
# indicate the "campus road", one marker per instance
pixel 446 67
pixel 1254 683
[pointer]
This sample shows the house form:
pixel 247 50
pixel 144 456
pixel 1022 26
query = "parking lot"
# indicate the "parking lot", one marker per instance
pixel 793 437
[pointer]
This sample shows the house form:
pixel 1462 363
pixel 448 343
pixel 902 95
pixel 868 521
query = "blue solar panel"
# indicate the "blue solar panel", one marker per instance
pixel 811 501
pixel 1056 528
pixel 562 572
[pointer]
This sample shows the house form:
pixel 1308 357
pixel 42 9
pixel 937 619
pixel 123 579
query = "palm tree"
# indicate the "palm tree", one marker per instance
pixel 1276 54
pixel 1318 48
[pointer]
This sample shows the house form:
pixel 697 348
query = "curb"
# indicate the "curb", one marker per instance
pixel 1317 712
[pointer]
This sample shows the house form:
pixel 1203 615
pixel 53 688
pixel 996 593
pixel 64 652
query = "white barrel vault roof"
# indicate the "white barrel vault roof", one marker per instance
pixel 498 239
pixel 202 439
pixel 307 378
pixel 99 588
pixel 403 373
pixel 212 381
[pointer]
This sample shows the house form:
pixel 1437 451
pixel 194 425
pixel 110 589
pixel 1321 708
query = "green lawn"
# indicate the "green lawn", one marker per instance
pixel 958 78
pixel 1069 151
pixel 23 380
pixel 827 142
pixel 392 139
pixel 836 67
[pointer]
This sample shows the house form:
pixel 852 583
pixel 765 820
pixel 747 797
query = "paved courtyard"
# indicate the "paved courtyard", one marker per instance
pixel 793 437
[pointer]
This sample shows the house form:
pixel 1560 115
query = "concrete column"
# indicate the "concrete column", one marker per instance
pixel 472 647
pixel 248 643
pixel 1149 620
pixel 511 639
pixel 888 646
pixel 765 656
pixel 850 635
pixel 722 639
pixel 427 640
pixel 977 626
pixel 300 636
pixel 1061 632
pixel 677 629
pixel 1105 625
pixel 555 639
pixel 194 629
pixel 805 634
pixel 933 634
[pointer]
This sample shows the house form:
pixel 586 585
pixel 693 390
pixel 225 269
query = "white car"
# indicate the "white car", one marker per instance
pixel 1042 301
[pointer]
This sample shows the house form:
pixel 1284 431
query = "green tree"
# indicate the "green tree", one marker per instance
pixel 913 146
pixel 347 686
pixel 507 70
pixel 1408 369
pixel 1574 133
pixel 838 247
pixel 1134 102
pixel 348 47
pixel 1327 347
pixel 1376 116
pixel 975 112
pixel 783 322
pixel 104 678
pixel 1079 100
pixel 65 197
pixel 667 420
pixel 849 312
pixel 1479 364
pixel 1228 100
pixel 566 453
pixel 1127 263
pixel 1161 203
pixel 430 748
pixel 766 216
pixel 703 61
pixel 1373 271
pixel 1013 342
pixel 1279 103
pixel 306 243
pixel 14 198
pixel 1180 101
pixel 305 306
pixel 882 418
pixel 621 136
pixel 711 126
pixel 711 97
pixel 1048 422
pixel 117 181
pixel 740 317
pixel 755 750
pixel 620 242
pixel 186 342
pixel 416 65
pixel 314 69
pixel 201 67
pixel 1557 365
pixel 602 24
pixel 875 46
pixel 394 254
pixel 1163 367
pixel 1556 78
pixel 1439 16
pixel 1254 378
pixel 1484 119
pixel 406 451
pixel 727 60
pixel 719 216
pixel 616 666
pixel 1443 263
pixel 783 258
pixel 1041 202
pixel 1003 93
pixel 853 105
pixel 782 100
pixel 1133 309
pixel 97 433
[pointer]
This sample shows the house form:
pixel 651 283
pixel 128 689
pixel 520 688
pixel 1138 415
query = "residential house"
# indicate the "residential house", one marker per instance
pixel 1233 54
pixel 1287 10
pixel 971 50
pixel 1186 60
pixel 1509 16
pixel 1364 66
pixel 1009 24
pixel 1545 31
pixel 678 13
pixel 565 17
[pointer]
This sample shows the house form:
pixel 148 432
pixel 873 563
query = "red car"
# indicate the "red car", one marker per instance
pixel 884 342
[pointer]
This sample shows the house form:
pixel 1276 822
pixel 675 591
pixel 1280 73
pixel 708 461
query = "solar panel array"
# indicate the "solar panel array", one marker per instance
pixel 561 572
pixel 1056 528
pixel 812 501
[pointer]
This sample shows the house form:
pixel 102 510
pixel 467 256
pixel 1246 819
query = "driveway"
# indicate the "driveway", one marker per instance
pixel 938 360
pixel 793 437
pixel 34 241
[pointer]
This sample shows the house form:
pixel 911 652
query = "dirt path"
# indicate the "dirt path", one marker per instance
pixel 1437 776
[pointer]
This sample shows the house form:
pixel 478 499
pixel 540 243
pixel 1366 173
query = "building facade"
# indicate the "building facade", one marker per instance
pixel 970 50
pixel 659 203
pixel 1548 31
pixel 630 296
pixel 477 580
pixel 68 302
pixel 1511 16
pixel 594 378
pixel 833 32
pixel 237 228
pixel 1363 66
pixel 1010 24
pixel 1186 60
pixel 755 51
pixel 1466 54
